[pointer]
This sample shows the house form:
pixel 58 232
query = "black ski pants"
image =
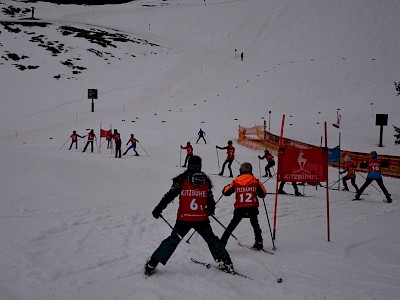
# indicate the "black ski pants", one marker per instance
pixel 238 215
pixel 87 144
pixel 181 228
pixel 379 181
pixel 229 162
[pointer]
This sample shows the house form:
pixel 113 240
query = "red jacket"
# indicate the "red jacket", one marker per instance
pixel 189 149
pixel 350 168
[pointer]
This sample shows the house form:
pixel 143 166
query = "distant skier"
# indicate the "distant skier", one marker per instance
pixel 90 138
pixel 196 203
pixel 295 187
pixel 374 165
pixel 189 152
pixel 397 86
pixel 247 188
pixel 230 151
pixel 108 139
pixel 133 142
pixel 74 139
pixel 270 162
pixel 350 168
pixel 117 138
pixel 201 135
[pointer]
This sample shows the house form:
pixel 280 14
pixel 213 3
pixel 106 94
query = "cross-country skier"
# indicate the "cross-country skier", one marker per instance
pixel 201 135
pixel 117 138
pixel 133 142
pixel 189 152
pixel 74 139
pixel 350 168
pixel 90 138
pixel 230 152
pixel 374 165
pixel 247 188
pixel 196 203
pixel 270 162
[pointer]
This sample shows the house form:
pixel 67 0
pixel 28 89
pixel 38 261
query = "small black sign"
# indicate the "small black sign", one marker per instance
pixel 381 120
pixel 92 93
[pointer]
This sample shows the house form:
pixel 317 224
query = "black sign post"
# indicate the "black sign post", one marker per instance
pixel 381 120
pixel 92 94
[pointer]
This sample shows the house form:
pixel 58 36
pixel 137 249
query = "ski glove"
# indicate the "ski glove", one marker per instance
pixel 210 208
pixel 156 212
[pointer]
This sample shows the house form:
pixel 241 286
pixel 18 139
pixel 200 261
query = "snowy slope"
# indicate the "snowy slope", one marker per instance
pixel 78 225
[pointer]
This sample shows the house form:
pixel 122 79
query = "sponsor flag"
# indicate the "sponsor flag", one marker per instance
pixel 303 165
pixel 104 133
pixel 334 155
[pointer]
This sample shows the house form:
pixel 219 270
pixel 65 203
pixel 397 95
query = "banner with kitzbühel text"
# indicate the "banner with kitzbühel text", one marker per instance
pixel 303 165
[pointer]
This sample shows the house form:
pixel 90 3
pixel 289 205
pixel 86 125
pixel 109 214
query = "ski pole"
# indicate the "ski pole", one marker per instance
pixel 219 168
pixel 269 225
pixel 269 178
pixel 371 182
pixel 223 226
pixel 143 149
pixel 161 216
pixel 218 199
pixel 333 183
pixel 279 279
pixel 65 143
pixel 259 166
pixel 187 241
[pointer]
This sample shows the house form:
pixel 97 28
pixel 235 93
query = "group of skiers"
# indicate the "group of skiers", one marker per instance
pixel 197 204
pixel 374 165
pixel 116 136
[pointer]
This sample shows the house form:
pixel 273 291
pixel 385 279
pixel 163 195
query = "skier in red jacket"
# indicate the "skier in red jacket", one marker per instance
pixel 133 142
pixel 247 188
pixel 270 162
pixel 189 152
pixel 196 202
pixel 230 156
pixel 117 138
pixel 74 139
pixel 90 138
pixel 374 165
pixel 350 168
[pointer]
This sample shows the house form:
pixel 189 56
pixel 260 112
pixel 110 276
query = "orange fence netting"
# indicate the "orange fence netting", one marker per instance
pixel 257 138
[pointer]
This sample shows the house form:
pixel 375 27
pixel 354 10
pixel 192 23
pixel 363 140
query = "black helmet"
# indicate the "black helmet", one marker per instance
pixel 188 143
pixel 194 164
pixel 374 154
pixel 229 142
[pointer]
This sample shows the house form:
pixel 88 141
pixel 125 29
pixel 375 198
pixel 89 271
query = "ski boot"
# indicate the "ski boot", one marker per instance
pixel 258 245
pixel 227 268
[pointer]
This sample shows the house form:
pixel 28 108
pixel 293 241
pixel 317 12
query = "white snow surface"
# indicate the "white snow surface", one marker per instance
pixel 78 225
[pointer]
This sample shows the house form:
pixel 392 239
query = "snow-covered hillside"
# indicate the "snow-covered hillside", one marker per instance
pixel 78 225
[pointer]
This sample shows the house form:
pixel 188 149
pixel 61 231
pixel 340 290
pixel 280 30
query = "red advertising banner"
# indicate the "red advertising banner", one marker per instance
pixel 257 138
pixel 303 165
